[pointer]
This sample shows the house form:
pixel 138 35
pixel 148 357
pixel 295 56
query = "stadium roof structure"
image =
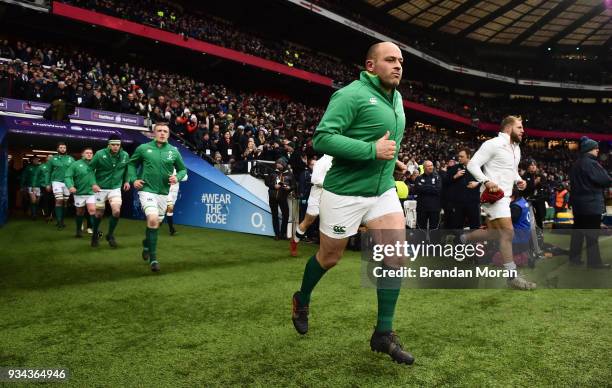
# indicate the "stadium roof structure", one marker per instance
pixel 531 23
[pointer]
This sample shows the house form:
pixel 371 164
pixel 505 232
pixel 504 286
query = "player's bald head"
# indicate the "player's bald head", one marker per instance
pixel 385 60
pixel 376 48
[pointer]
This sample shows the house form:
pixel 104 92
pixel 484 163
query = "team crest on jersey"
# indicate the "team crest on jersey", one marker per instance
pixel 149 150
pixel 373 100
pixel 170 156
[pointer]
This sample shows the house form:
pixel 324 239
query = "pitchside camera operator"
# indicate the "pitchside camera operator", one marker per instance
pixel 536 195
pixel 588 181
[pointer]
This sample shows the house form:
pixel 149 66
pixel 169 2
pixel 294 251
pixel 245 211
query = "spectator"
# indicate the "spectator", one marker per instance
pixel 562 197
pixel 463 194
pixel 428 189
pixel 536 195
pixel 588 180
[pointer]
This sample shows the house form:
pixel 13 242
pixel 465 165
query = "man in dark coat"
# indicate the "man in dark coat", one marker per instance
pixel 588 180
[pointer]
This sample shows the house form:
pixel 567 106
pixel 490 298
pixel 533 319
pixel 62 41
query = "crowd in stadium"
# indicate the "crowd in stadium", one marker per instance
pixel 96 83
pixel 228 126
pixel 174 18
pixel 166 16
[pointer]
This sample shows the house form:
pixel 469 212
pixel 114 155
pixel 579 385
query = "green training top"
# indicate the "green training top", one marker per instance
pixel 158 164
pixel 80 176
pixel 59 164
pixel 28 174
pixel 41 178
pixel 357 116
pixel 111 170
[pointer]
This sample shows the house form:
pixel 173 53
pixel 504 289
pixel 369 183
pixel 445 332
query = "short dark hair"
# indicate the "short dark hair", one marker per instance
pixel 468 152
pixel 160 123
pixel 59 143
pixel 86 148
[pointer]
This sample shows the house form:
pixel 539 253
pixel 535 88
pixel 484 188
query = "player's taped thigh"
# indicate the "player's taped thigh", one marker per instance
pixel 151 210
pixel 115 201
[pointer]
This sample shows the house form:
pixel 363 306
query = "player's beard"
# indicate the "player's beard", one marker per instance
pixel 387 85
pixel 515 138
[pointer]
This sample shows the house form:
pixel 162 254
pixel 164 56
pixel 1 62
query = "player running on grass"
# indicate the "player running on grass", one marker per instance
pixel 28 181
pixel 58 164
pixel 79 179
pixel 314 199
pixel 360 129
pixel 159 160
pixel 495 165
pixel 41 180
pixel 110 164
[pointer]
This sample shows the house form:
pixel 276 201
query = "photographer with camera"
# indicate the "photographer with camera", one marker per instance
pixel 280 183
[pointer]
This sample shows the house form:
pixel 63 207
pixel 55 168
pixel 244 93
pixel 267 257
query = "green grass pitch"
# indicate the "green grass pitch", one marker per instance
pixel 219 315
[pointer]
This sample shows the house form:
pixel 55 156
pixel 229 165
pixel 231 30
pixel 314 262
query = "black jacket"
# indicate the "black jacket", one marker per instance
pixel 533 191
pixel 284 179
pixel 428 189
pixel 457 190
pixel 588 180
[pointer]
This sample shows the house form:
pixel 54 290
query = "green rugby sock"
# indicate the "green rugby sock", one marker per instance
pixel 34 210
pixel 59 214
pixel 95 224
pixel 112 224
pixel 313 272
pixel 79 223
pixel 145 242
pixel 387 293
pixel 152 242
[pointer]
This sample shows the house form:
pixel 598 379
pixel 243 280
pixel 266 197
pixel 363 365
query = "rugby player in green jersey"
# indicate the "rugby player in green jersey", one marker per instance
pixel 110 165
pixel 79 179
pixel 158 160
pixel 58 164
pixel 28 181
pixel 361 129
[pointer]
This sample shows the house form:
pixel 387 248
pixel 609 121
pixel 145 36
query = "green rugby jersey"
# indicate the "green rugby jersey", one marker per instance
pixel 80 176
pixel 357 116
pixel 58 164
pixel 28 174
pixel 41 178
pixel 158 164
pixel 111 170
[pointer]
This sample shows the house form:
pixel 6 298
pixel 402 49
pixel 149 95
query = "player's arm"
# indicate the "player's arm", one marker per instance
pixel 482 156
pixel 69 176
pixel 94 165
pixel 49 171
pixel 133 164
pixel 126 178
pixel 126 174
pixel 181 170
pixel 329 138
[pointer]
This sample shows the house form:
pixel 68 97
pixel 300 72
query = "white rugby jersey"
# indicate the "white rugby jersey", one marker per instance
pixel 497 160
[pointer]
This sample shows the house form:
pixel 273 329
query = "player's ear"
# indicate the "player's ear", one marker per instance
pixel 369 64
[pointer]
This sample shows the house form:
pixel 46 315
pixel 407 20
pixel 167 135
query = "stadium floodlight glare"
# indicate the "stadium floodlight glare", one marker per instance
pixel 549 49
